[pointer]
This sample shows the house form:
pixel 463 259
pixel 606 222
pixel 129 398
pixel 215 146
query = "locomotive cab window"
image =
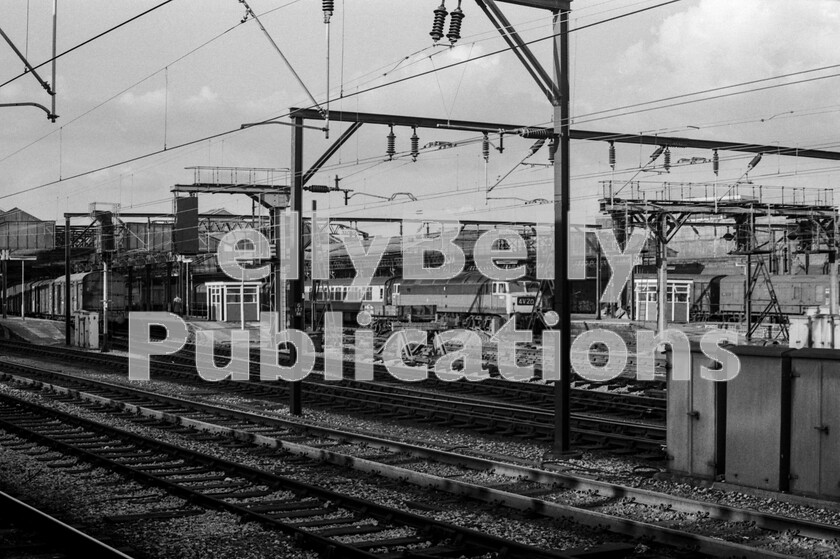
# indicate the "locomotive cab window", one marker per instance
pixel 524 286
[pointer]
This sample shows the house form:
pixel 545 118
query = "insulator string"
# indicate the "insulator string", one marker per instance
pixel 455 19
pixel 437 25
pixel 415 144
pixel 391 151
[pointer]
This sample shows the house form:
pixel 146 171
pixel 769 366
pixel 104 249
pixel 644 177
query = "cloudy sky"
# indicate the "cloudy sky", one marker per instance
pixel 190 73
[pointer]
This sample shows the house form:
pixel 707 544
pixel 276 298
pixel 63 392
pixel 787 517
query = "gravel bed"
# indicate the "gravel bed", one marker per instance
pixel 389 533
pixel 90 499
pixel 212 534
pixel 393 494
pixel 626 471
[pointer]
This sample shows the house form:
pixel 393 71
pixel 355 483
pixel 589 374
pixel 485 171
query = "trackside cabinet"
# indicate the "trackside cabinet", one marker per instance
pixel 815 422
pixel 758 419
pixel 696 421
pixel 86 329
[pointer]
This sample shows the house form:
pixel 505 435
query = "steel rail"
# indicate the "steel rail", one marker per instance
pixel 509 420
pixel 720 512
pixel 72 541
pixel 474 540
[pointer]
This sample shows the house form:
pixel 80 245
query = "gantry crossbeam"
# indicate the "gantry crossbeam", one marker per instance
pixel 590 135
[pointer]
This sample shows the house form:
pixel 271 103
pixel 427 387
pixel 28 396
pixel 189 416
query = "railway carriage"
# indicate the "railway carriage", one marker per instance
pixel 469 300
pixel 793 293
pixel 334 294
pixel 13 299
pixel 46 298
pixel 718 297
pixel 41 295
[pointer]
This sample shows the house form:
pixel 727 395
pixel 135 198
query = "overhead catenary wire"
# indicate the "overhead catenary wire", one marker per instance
pixel 475 39
pixel 533 183
pixel 578 117
pixel 151 154
pixel 126 89
pixel 532 150
pixel 711 90
pixel 581 120
pixel 315 103
pixel 188 143
pixel 157 152
pixel 113 165
pixel 548 182
pixel 362 91
pixel 86 41
pixel 356 93
pixel 500 51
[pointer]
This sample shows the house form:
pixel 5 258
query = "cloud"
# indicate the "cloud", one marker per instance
pixel 156 99
pixel 715 43
pixel 150 99
pixel 719 42
pixel 205 96
pixel 271 104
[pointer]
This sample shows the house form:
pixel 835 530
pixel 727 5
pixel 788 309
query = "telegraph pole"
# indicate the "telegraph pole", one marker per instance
pixel 296 283
pixel 562 189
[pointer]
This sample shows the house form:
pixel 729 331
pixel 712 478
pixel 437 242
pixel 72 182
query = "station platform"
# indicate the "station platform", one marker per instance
pixel 34 330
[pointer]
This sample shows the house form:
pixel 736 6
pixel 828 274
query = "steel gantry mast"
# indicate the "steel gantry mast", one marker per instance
pixel 557 92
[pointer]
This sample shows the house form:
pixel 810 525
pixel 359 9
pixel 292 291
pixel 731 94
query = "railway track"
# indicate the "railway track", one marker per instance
pixel 257 430
pixel 318 518
pixel 648 393
pixel 27 532
pixel 590 430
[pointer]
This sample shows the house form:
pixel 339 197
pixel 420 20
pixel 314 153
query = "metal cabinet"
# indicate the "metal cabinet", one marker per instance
pixel 758 419
pixel 815 422
pixel 696 422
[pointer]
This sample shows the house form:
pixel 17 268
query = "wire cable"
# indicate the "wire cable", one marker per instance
pixel 506 49
pixel 352 94
pixel 132 86
pixel 85 42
